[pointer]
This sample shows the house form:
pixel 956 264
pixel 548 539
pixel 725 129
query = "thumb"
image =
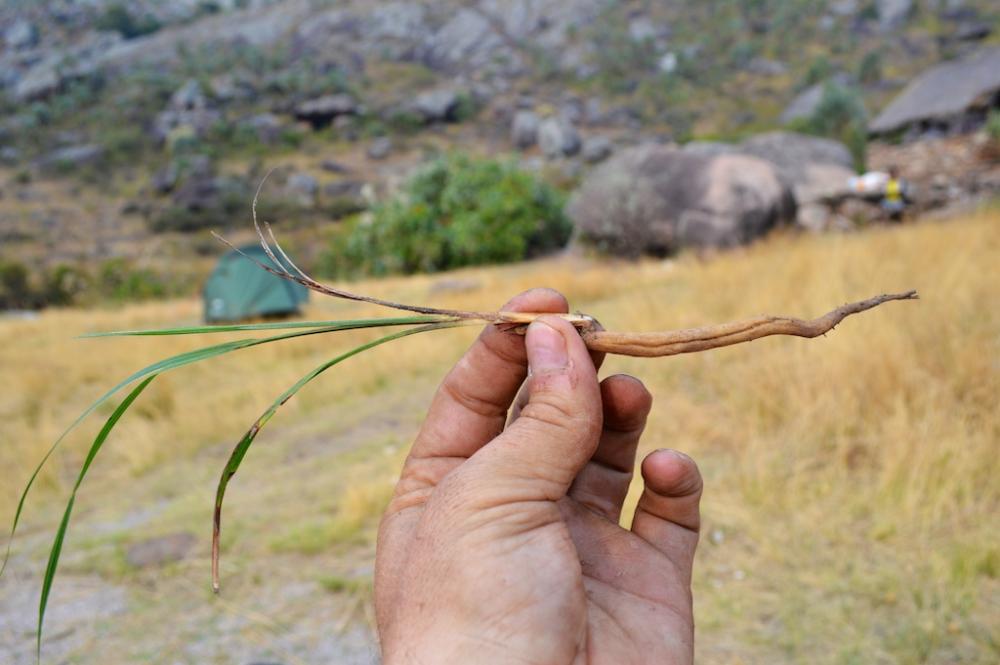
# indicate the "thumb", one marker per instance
pixel 558 429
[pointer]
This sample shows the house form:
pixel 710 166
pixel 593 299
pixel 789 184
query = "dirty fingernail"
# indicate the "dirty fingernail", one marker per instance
pixel 546 348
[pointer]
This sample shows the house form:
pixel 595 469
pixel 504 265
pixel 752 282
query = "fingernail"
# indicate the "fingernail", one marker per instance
pixel 546 348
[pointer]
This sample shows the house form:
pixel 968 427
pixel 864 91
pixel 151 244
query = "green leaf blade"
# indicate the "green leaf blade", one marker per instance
pixel 353 324
pixel 56 551
pixel 241 449
pixel 173 362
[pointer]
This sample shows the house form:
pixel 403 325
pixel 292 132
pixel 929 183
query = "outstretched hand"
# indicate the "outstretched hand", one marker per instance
pixel 502 544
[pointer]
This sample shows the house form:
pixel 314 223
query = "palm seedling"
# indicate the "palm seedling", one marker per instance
pixel 417 319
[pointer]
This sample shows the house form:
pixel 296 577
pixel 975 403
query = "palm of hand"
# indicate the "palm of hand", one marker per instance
pixel 508 549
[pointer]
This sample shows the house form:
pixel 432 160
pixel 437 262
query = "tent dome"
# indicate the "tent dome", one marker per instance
pixel 238 289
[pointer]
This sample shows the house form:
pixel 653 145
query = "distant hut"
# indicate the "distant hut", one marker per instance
pixel 954 96
pixel 238 289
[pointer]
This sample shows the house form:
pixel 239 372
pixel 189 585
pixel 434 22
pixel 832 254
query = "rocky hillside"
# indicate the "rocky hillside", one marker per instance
pixel 137 124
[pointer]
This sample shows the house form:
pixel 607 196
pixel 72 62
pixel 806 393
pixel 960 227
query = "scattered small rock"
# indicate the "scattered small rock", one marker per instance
pixel 667 63
pixel 437 105
pixel 321 111
pixel 189 97
pixel 302 187
pixel 38 82
pixel 332 166
pixel 765 67
pixel 524 129
pixel 187 113
pixel 973 31
pixel 893 13
pixel 593 111
pixel 843 7
pixel 596 149
pixel 380 148
pixel 9 155
pixel 643 29
pixel 72 156
pixel 266 126
pixel 230 87
pixel 558 138
pixel 572 111
pixel 165 180
pixel 344 189
pixel 21 34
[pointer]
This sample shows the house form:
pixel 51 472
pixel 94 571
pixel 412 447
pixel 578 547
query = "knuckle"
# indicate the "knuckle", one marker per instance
pixel 553 413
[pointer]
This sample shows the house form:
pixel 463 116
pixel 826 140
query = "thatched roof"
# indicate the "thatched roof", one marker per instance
pixel 944 92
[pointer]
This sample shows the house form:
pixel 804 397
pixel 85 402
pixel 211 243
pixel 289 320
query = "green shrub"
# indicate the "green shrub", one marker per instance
pixel 119 281
pixel 819 69
pixel 870 67
pixel 841 115
pixel 993 126
pixel 117 18
pixel 455 212
pixel 15 287
pixel 467 107
pixel 64 284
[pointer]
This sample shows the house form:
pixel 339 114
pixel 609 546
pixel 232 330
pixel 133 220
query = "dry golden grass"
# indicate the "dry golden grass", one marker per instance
pixel 851 481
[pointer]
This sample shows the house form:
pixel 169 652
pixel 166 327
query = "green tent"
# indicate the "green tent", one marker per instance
pixel 238 289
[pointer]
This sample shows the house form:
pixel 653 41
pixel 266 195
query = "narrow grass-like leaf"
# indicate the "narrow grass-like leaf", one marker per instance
pixel 284 325
pixel 170 363
pixel 95 447
pixel 240 451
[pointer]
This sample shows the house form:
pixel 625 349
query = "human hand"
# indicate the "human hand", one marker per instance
pixel 503 544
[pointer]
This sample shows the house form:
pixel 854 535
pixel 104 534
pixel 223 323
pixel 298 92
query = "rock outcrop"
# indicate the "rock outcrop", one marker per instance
pixel 654 199
pixel 951 96
pixel 817 169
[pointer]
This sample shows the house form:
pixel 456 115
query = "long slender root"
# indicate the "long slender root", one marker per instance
pixel 671 343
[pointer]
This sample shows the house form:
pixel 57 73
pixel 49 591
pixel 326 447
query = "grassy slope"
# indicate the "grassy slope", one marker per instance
pixel 851 481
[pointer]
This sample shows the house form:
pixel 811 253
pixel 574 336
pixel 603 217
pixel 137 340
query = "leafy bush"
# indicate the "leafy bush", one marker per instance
pixel 819 69
pixel 119 281
pixel 64 284
pixel 15 288
pixel 993 126
pixel 117 18
pixel 841 115
pixel 870 68
pixel 455 212
pixel 116 280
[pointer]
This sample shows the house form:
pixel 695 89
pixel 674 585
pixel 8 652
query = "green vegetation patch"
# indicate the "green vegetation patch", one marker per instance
pixel 456 212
